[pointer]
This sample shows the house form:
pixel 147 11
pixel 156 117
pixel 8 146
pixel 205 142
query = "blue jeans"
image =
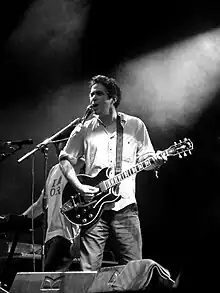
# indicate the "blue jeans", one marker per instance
pixel 123 228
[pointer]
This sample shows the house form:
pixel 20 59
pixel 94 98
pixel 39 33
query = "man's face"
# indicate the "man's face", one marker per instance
pixel 100 99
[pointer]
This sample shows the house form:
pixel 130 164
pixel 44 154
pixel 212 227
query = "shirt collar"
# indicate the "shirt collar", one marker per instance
pixel 122 116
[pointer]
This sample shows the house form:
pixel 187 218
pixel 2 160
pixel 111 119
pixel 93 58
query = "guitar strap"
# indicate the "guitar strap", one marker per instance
pixel 119 145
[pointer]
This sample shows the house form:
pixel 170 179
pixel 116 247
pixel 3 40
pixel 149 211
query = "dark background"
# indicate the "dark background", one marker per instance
pixel 179 212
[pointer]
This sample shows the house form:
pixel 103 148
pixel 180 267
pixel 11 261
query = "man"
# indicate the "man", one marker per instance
pixel 95 140
pixel 61 236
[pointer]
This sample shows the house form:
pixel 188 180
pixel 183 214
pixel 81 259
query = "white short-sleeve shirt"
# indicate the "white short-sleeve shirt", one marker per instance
pixel 98 147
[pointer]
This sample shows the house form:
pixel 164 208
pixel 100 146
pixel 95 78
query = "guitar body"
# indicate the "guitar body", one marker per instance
pixel 82 213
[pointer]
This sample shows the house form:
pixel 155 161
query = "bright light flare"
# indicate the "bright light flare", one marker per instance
pixel 174 85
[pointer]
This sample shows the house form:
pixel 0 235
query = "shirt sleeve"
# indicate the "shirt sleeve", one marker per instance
pixel 74 147
pixel 145 146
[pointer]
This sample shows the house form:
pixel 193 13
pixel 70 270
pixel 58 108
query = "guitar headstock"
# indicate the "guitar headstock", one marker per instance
pixel 181 148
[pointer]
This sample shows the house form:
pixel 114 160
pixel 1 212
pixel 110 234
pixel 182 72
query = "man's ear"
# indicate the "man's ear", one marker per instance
pixel 114 99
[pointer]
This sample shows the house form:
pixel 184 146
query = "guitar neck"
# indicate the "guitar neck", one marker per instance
pixel 176 149
pixel 111 182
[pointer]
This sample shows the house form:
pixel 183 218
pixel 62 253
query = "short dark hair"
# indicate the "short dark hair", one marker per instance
pixel 111 86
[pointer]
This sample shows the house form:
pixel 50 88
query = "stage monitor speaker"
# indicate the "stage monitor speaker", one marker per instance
pixel 51 282
pixel 134 276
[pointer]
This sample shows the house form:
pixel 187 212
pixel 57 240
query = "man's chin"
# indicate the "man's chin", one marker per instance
pixel 96 112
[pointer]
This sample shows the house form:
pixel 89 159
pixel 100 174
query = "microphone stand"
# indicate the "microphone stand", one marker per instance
pixel 49 140
pixel 43 146
pixel 44 206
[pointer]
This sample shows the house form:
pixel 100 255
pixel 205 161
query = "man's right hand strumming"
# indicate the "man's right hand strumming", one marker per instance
pixel 88 192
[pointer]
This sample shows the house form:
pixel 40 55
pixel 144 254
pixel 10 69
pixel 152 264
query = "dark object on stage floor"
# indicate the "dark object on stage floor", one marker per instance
pixel 135 276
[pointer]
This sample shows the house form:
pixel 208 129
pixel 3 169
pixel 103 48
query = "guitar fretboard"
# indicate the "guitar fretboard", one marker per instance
pixel 176 149
pixel 109 183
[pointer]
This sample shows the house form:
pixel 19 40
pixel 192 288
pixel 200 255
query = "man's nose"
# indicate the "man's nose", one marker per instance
pixel 93 100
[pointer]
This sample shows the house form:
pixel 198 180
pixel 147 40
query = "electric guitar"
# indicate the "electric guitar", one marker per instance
pixel 86 214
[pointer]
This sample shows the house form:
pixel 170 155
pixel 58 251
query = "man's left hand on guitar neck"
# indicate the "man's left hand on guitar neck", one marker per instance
pixel 160 159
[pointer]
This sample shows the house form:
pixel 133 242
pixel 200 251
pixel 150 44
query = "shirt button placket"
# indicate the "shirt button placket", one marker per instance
pixel 111 140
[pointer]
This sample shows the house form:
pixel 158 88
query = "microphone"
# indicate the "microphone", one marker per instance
pixel 19 142
pixel 88 112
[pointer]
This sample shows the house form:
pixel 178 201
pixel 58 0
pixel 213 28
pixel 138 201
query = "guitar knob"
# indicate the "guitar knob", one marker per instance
pixel 84 220
pixel 84 211
pixel 90 216
pixel 77 216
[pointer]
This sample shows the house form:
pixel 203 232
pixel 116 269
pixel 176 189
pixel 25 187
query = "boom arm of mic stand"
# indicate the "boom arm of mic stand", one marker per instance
pixel 49 140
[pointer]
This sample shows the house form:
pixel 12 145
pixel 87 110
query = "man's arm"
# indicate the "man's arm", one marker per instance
pixel 146 149
pixel 69 172
pixel 36 209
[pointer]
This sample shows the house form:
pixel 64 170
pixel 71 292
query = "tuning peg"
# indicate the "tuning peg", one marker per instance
pixel 185 154
pixel 180 140
pixel 180 156
pixel 175 143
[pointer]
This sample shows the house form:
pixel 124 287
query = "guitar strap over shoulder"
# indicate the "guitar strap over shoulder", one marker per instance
pixel 119 145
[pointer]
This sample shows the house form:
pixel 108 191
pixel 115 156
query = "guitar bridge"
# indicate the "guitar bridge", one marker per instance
pixel 73 202
pixel 69 205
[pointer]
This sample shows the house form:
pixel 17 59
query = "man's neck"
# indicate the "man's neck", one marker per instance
pixel 110 118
